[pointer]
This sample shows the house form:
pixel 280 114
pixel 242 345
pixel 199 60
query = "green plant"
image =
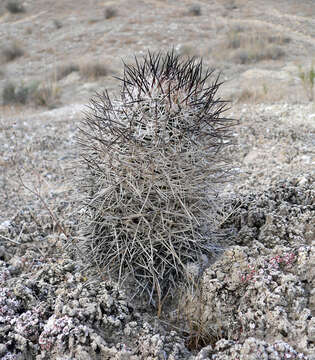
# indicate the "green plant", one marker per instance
pixel 307 78
pixel 15 7
pixel 151 160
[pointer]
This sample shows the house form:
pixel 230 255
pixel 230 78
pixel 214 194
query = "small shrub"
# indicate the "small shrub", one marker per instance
pixel 246 95
pixel 191 318
pixel 234 38
pixel 57 23
pixel 279 39
pixel 13 94
pixel 88 70
pixel 250 55
pixel 307 78
pixel 242 57
pixel 65 70
pixel 93 70
pixel 273 52
pixel 251 45
pixel 110 12
pixel 150 162
pixel 46 94
pixel 37 93
pixel 15 7
pixel 8 93
pixel 230 5
pixel 12 51
pixel 28 30
pixel 194 10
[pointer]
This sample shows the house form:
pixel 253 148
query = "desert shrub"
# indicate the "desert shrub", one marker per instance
pixel 230 5
pixel 65 70
pixel 93 70
pixel 252 45
pixel 250 55
pixel 46 94
pixel 42 94
pixel 110 12
pixel 307 77
pixel 57 23
pixel 12 51
pixel 15 7
pixel 279 39
pixel 16 94
pixel 88 70
pixel 194 10
pixel 8 93
pixel 151 159
pixel 242 56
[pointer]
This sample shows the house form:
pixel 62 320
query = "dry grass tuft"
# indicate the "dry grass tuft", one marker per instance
pixel 64 70
pixel 93 70
pixel 47 94
pixel 12 51
pixel 307 77
pixel 17 94
pixel 245 45
pixel 87 69
pixel 151 162
pixel 191 319
pixel 40 94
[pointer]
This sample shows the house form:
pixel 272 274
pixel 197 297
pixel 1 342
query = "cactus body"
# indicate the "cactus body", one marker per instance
pixel 152 158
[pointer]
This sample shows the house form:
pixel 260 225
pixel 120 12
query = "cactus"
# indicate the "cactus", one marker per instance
pixel 151 160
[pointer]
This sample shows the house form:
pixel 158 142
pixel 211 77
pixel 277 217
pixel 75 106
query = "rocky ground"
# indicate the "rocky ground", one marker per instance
pixel 257 300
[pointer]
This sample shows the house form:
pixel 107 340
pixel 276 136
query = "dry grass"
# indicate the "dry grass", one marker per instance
pixel 307 77
pixel 191 319
pixel 151 166
pixel 64 70
pixel 17 94
pixel 93 70
pixel 263 93
pixel 12 51
pixel 40 94
pixel 47 94
pixel 245 45
pixel 87 69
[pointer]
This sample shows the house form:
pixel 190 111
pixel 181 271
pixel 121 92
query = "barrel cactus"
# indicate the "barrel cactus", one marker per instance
pixel 151 159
